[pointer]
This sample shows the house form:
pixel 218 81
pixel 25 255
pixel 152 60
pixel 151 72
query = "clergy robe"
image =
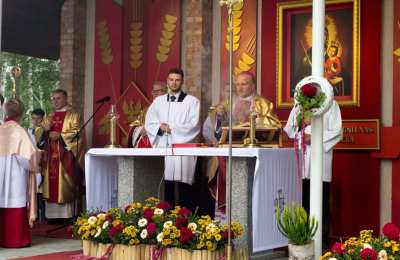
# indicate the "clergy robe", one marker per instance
pixel 18 159
pixel 182 116
pixel 63 163
pixel 332 134
pixel 212 130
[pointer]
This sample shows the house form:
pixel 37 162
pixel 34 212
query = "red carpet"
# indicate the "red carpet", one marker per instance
pixel 45 230
pixel 53 256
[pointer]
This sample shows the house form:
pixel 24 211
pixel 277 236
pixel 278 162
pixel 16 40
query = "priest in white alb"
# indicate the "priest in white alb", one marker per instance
pixel 172 119
pixel 19 160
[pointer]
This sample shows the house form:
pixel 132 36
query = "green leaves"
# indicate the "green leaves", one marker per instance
pixel 295 224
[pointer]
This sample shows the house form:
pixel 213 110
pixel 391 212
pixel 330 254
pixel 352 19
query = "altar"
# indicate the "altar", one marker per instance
pixel 261 179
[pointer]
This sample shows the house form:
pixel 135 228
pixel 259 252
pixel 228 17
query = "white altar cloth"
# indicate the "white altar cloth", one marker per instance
pixel 275 181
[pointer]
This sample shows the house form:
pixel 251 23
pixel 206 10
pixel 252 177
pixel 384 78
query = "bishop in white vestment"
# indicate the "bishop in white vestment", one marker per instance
pixel 171 119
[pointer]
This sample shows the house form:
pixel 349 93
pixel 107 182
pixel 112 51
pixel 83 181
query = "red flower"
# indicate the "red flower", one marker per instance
pixel 186 235
pixel 148 213
pixel 115 230
pixel 391 231
pixel 184 212
pixel 225 234
pixel 163 205
pixel 127 208
pixel 181 222
pixel 151 229
pixel 109 217
pixel 368 253
pixel 309 90
pixel 338 248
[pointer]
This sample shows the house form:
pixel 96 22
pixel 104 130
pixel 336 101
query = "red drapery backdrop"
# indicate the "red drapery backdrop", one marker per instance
pixel 143 39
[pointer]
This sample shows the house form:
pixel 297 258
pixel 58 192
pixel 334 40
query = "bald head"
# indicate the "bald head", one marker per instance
pixel 245 84
pixel 159 88
pixel 14 109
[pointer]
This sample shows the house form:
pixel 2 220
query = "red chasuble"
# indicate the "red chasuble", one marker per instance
pixel 56 126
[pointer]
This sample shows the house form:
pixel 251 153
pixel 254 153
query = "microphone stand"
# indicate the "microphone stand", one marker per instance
pixel 76 138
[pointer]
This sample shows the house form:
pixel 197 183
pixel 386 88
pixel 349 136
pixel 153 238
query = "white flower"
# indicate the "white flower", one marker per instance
pixel 142 222
pixel 143 234
pixel 158 211
pixel 382 255
pixel 192 226
pixel 101 216
pixel 160 237
pixel 366 245
pixel 332 258
pixel 98 232
pixel 92 220
pixel 168 224
pixel 105 224
pixel 211 227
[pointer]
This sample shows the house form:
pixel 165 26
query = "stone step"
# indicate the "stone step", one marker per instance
pixel 281 255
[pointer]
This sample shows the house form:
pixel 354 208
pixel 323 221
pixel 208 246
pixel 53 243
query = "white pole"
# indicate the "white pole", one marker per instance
pixel 318 40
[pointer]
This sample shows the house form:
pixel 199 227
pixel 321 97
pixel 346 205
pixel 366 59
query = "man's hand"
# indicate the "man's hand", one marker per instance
pixel 307 139
pixel 54 135
pixel 165 128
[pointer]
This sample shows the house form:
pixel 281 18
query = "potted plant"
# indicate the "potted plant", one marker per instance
pixel 299 228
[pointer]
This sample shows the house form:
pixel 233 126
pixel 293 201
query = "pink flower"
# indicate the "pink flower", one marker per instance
pixel 368 253
pixel 163 205
pixel 186 235
pixel 391 231
pixel 148 213
pixel 309 90
pixel 184 212
pixel 151 229
pixel 338 248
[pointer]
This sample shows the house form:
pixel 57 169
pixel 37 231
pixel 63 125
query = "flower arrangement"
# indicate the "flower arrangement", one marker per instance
pixel 308 97
pixel 295 224
pixel 366 246
pixel 154 223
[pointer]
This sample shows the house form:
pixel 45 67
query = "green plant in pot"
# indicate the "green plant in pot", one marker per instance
pixel 299 228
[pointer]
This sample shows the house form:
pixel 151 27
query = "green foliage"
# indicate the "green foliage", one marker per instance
pixel 308 103
pixel 295 224
pixel 38 78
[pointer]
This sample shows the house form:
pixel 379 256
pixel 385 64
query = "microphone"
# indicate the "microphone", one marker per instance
pixel 104 99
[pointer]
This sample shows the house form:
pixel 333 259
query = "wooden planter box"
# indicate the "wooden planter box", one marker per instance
pixel 145 252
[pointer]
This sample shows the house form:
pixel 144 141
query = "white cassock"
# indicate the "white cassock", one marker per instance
pixel 332 134
pixel 182 116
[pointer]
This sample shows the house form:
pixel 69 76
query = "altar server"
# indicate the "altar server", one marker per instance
pixel 332 134
pixel 18 164
pixel 173 118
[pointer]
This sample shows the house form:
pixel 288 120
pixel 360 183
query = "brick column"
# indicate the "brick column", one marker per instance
pixel 197 50
pixel 72 51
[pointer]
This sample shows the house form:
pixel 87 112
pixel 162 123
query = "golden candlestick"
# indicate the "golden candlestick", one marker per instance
pixel 251 141
pixel 113 116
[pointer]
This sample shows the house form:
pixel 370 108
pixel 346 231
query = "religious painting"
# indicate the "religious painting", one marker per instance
pixel 341 49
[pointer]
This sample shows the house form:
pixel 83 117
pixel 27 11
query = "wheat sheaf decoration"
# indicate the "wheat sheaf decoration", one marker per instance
pixel 167 35
pixel 106 50
pixel 136 37
pixel 237 12
pixel 246 59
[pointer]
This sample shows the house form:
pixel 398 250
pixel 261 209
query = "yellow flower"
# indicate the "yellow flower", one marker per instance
pixel 92 220
pixel 218 237
pixel 116 222
pixel 395 248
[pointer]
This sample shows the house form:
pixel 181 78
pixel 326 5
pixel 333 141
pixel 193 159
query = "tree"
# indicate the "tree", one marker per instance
pixel 38 78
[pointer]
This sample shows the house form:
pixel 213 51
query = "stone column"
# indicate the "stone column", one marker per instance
pixel 197 50
pixel 72 51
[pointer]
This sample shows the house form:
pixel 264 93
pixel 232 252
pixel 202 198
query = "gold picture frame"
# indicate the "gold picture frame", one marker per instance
pixel 342 49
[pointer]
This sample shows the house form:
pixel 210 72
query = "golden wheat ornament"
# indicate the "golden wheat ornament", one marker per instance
pixel 237 12
pixel 167 35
